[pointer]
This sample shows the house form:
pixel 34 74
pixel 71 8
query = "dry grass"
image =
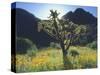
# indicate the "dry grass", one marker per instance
pixel 51 59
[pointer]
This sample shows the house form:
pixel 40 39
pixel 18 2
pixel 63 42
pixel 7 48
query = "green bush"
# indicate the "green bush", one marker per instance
pixel 32 51
pixel 55 45
pixel 92 45
pixel 25 45
pixel 74 53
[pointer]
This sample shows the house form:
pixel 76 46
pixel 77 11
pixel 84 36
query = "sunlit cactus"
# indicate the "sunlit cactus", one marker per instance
pixel 64 31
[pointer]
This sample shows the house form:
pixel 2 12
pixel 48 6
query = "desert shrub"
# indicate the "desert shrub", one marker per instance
pixel 24 44
pixel 74 53
pixel 92 45
pixel 32 51
pixel 55 45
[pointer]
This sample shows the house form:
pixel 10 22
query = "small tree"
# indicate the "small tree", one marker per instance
pixel 64 31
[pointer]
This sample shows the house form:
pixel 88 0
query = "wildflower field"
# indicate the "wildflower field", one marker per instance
pixel 49 59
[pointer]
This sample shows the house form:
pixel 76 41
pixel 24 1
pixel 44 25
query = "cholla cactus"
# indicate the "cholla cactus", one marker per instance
pixel 65 32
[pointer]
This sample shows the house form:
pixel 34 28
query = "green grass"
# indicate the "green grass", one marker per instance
pixel 49 59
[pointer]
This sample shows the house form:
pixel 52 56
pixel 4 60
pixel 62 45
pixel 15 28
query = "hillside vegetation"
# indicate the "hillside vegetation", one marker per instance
pixel 51 59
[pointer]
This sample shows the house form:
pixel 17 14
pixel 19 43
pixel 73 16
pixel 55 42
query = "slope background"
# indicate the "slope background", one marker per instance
pixel 5 37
